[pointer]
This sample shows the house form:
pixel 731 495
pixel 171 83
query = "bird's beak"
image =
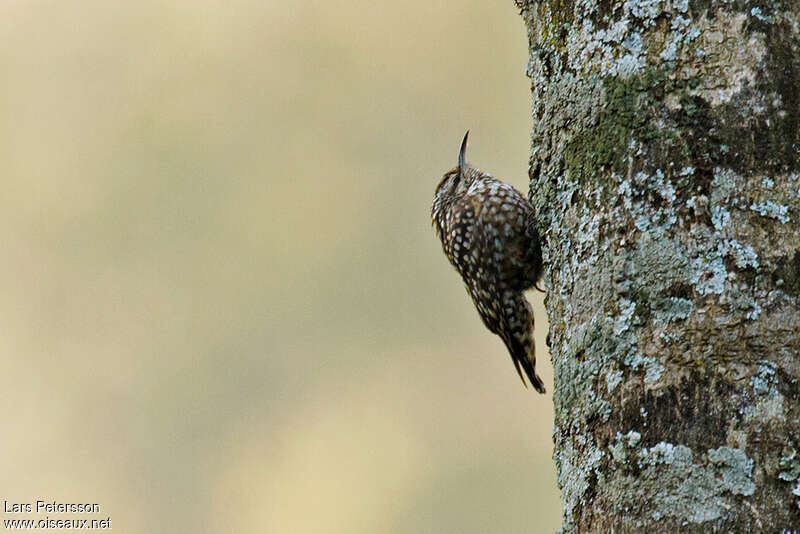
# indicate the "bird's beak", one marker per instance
pixel 462 154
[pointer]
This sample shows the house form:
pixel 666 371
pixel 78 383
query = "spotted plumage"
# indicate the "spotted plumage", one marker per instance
pixel 488 234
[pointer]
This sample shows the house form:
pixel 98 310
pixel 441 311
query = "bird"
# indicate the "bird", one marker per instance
pixel 488 232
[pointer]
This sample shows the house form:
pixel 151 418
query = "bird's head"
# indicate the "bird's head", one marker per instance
pixel 453 185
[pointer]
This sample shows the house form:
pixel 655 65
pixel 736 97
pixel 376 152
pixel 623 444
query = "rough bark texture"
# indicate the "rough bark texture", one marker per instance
pixel 665 172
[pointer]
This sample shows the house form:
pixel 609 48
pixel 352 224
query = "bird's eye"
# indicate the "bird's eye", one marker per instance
pixel 456 179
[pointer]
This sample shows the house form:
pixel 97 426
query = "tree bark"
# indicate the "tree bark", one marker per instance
pixel 664 170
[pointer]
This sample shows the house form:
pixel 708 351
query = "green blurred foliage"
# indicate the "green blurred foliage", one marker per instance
pixel 224 307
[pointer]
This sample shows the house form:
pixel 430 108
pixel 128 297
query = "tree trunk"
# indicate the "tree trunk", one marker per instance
pixel 664 171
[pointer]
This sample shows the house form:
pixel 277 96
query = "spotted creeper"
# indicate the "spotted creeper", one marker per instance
pixel 488 234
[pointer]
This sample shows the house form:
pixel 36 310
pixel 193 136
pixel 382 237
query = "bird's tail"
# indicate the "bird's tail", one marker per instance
pixel 518 337
pixel 529 364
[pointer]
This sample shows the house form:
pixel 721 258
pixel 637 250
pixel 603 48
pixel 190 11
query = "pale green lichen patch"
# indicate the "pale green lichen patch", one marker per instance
pixel 573 479
pixel 763 383
pixel 720 217
pixel 709 274
pixel 623 317
pixel 767 408
pixel 743 255
pixel 723 37
pixel 623 445
pixel 613 378
pixel 581 370
pixel 665 453
pixel 673 309
pixel 769 403
pixel 789 464
pixel 736 470
pixel 768 208
pixel 653 369
pixel 700 486
pixel 796 493
pixel 760 15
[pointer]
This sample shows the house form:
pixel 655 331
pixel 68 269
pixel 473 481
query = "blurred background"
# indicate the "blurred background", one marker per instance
pixel 223 305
